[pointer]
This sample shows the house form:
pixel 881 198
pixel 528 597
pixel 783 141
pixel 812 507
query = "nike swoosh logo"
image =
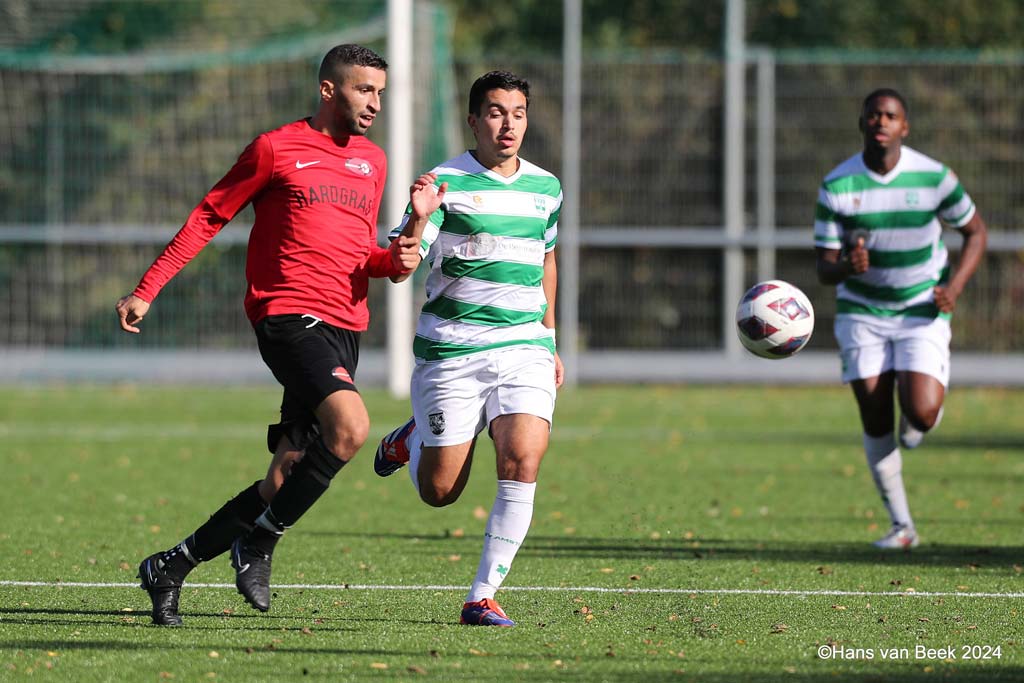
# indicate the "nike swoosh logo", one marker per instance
pixel 299 164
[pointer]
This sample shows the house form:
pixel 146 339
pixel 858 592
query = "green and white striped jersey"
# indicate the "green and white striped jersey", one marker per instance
pixel 486 247
pixel 901 212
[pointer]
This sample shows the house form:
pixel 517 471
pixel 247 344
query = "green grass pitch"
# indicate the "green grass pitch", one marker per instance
pixel 680 534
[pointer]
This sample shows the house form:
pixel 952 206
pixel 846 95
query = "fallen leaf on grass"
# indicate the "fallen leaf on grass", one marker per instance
pixel 779 628
pixel 416 670
pixel 378 665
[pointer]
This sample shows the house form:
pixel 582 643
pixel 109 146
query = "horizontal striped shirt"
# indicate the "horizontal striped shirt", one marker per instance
pixel 901 212
pixel 486 246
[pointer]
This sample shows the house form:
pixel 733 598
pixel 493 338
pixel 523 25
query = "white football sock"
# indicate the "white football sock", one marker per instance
pixel 886 464
pixel 415 446
pixel 506 530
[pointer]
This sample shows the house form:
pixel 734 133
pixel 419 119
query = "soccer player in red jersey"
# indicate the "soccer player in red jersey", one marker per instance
pixel 316 186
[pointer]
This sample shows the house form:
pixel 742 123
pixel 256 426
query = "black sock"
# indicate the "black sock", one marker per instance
pixel 235 518
pixel 265 535
pixel 307 481
pixel 177 561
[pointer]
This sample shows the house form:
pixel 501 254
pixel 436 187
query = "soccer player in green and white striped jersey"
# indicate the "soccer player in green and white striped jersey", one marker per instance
pixel 878 238
pixel 485 341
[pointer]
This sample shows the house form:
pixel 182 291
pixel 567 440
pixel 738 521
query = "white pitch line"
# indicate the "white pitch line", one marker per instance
pixel 549 589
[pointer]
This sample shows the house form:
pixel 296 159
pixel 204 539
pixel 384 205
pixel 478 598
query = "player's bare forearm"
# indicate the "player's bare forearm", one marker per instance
pixel 424 199
pixel 549 282
pixel 830 268
pixel 975 243
pixel 833 267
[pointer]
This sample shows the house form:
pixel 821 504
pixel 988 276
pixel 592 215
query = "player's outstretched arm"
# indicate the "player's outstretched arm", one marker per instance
pixel 131 310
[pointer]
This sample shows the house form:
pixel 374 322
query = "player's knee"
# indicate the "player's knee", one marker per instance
pixel 438 496
pixel 345 439
pixel 923 418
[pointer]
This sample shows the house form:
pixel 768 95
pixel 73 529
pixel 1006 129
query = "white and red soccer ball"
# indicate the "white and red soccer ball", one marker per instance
pixel 774 319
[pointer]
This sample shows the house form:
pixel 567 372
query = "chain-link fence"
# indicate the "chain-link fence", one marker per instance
pixel 97 169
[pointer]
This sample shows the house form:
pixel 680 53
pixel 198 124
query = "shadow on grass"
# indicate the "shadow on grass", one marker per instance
pixel 113 645
pixel 818 552
pixel 933 442
pixel 709 549
pixel 229 622
pixel 846 437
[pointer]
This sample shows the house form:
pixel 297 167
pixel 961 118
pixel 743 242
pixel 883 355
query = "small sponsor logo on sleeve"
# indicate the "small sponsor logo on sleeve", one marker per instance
pixel 359 166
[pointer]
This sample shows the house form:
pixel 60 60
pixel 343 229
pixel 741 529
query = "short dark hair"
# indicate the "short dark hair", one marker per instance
pixel 886 92
pixel 493 80
pixel 349 55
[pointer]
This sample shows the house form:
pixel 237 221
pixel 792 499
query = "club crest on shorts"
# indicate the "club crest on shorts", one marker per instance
pixel 342 374
pixel 436 422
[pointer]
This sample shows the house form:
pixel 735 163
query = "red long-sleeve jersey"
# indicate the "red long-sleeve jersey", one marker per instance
pixel 313 244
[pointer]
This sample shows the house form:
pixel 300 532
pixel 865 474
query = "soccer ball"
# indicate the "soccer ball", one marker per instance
pixel 774 319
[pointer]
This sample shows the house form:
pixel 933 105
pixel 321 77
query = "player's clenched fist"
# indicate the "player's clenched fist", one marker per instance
pixel 131 310
pixel 405 253
pixel 858 257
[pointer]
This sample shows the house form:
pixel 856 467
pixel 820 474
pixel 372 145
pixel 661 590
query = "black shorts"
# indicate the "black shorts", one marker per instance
pixel 312 360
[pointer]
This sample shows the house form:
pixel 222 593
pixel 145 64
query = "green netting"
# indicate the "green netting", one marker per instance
pixel 118 116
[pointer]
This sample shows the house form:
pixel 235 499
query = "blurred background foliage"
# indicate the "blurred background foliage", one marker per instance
pixel 523 26
pixel 134 145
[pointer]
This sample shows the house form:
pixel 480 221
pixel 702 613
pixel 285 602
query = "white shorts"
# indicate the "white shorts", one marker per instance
pixel 870 347
pixel 453 400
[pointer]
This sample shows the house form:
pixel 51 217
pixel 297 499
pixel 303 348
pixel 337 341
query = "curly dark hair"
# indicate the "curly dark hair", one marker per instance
pixel 341 56
pixel 492 80
pixel 886 92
